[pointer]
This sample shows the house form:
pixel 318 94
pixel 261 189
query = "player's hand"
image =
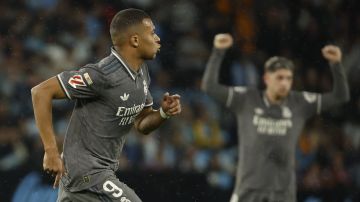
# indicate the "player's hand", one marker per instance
pixel 332 53
pixel 171 104
pixel 53 165
pixel 223 41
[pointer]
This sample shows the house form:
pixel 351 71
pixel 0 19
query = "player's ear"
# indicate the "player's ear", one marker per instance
pixel 134 41
pixel 266 78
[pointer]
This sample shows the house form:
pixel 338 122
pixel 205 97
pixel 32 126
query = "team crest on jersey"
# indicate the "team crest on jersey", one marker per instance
pixel 145 88
pixel 286 112
pixel 76 81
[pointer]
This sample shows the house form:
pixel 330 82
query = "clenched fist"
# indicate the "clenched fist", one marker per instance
pixel 332 53
pixel 53 165
pixel 171 104
pixel 223 41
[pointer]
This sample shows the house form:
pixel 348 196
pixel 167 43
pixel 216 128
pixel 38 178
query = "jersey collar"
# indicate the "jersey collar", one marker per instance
pixel 267 102
pixel 122 61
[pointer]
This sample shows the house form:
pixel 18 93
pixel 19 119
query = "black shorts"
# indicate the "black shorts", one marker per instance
pixel 110 190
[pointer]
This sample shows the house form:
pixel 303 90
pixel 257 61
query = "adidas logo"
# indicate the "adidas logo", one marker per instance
pixel 124 97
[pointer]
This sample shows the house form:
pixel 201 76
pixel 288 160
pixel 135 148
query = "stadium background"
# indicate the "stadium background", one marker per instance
pixel 192 157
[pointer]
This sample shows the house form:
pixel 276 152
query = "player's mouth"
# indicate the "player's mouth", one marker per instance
pixel 283 92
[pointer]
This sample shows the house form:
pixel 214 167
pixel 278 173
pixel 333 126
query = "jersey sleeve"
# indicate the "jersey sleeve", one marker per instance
pixel 236 97
pixel 309 103
pixel 210 81
pixel 314 103
pixel 340 92
pixel 230 96
pixel 149 99
pixel 81 84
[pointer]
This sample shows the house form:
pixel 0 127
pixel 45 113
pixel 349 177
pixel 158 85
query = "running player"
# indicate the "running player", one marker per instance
pixel 110 97
pixel 270 121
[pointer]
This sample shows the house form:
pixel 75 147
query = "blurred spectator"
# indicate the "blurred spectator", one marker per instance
pixel 206 130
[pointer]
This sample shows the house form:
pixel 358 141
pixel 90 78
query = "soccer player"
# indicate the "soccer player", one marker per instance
pixel 110 97
pixel 270 121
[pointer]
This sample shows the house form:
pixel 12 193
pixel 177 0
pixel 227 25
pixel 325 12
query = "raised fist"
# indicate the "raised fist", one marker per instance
pixel 223 41
pixel 332 53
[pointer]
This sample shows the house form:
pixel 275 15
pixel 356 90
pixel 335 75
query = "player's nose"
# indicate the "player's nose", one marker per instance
pixel 157 39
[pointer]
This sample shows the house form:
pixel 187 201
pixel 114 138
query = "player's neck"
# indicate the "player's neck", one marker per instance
pixel 131 60
pixel 273 99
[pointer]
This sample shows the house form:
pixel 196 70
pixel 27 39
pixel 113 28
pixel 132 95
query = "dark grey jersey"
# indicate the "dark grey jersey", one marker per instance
pixel 108 97
pixel 268 133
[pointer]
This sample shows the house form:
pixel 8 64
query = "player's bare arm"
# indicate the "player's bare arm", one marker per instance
pixel 42 96
pixel 150 119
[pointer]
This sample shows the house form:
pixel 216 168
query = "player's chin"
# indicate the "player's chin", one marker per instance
pixel 154 55
pixel 284 94
pixel 150 56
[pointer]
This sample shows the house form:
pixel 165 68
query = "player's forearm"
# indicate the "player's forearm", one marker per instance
pixel 42 105
pixel 149 122
pixel 340 93
pixel 210 81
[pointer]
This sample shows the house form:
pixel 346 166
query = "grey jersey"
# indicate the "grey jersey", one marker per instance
pixel 268 133
pixel 108 97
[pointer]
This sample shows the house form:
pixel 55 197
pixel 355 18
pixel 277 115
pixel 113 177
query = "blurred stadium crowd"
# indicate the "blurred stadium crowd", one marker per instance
pixel 40 38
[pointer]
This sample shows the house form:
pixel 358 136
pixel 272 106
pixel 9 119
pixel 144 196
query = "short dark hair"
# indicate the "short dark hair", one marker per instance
pixel 275 63
pixel 125 19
